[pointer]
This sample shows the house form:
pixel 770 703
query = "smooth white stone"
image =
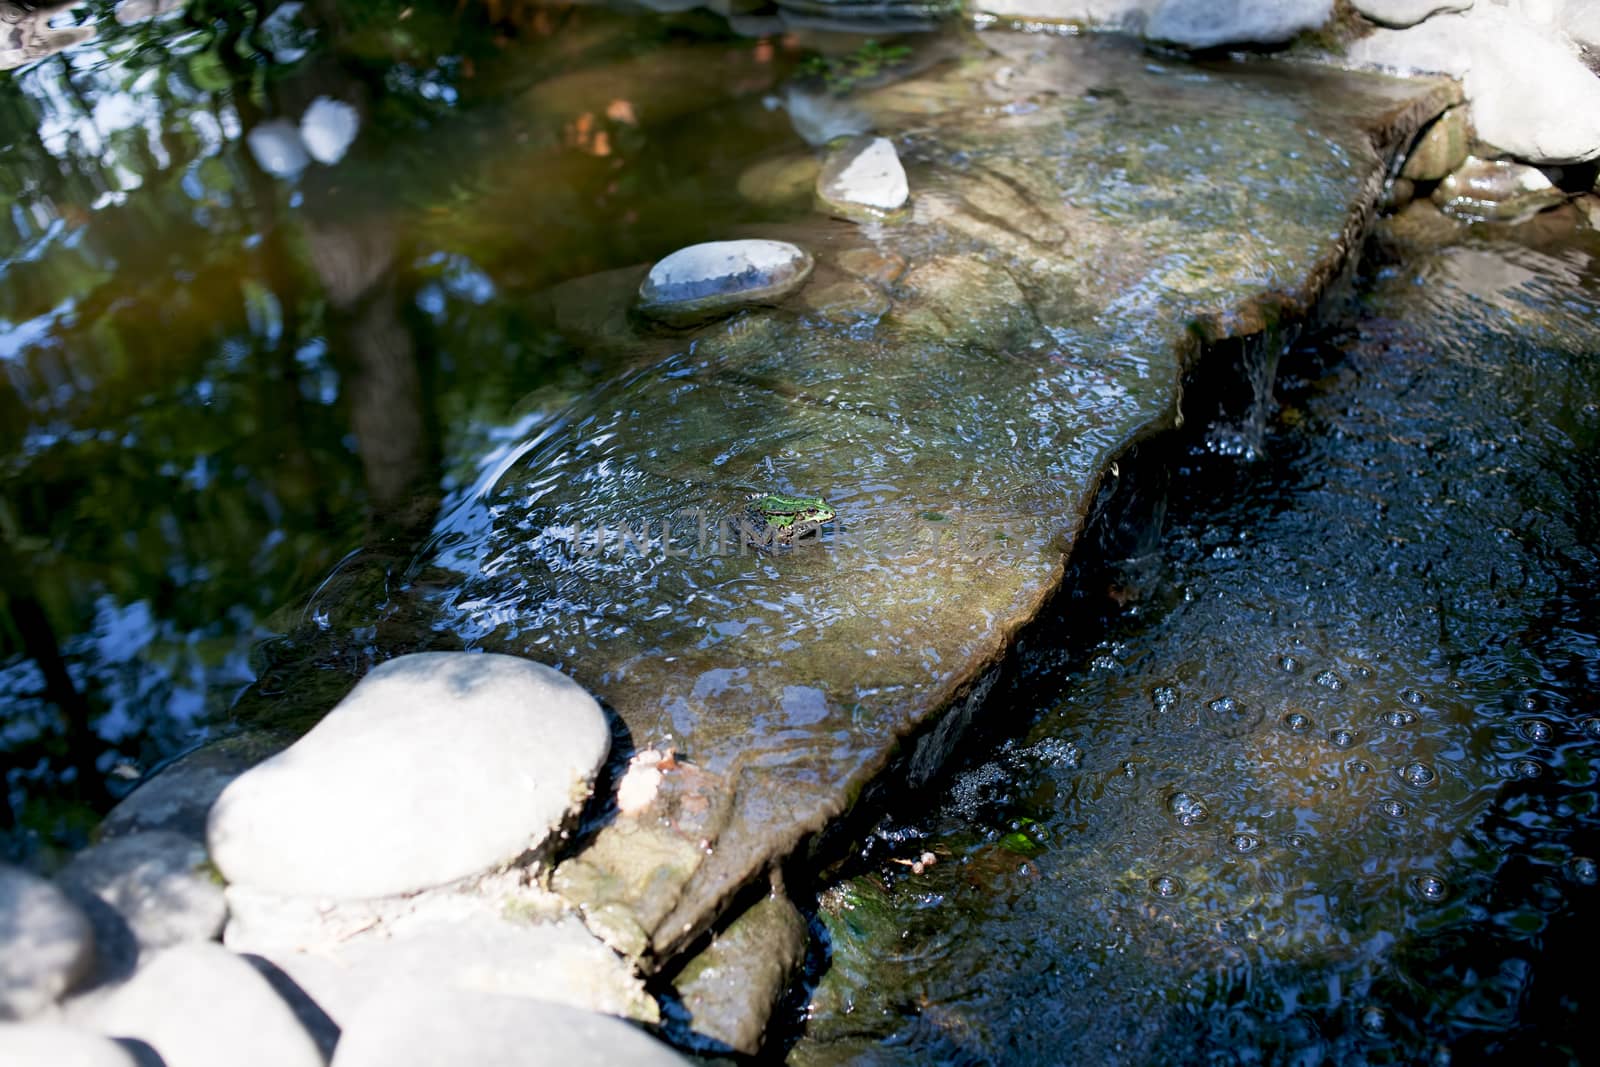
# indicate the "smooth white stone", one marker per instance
pixel 1212 23
pixel 437 766
pixel 46 943
pixel 55 1045
pixel 199 1005
pixel 412 1027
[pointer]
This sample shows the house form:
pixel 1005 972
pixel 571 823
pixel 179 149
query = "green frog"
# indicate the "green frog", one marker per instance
pixel 777 519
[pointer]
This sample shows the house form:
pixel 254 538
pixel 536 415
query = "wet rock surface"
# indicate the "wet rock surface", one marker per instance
pixel 1496 190
pixel 46 943
pixel 177 797
pixel 728 990
pixel 1441 149
pixel 1022 350
pixel 437 766
pixel 1314 784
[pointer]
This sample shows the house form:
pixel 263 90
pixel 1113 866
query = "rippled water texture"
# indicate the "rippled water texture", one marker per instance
pixel 1328 792
pixel 265 280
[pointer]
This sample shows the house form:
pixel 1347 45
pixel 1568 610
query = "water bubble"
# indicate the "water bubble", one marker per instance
pixel 1411 696
pixel 1166 885
pixel 1243 842
pixel 1527 768
pixel 1330 680
pixel 1163 696
pixel 1537 730
pixel 1591 727
pixel 1418 774
pixel 1224 706
pixel 1374 1019
pixel 1361 766
pixel 1342 737
pixel 1399 717
pixel 1394 809
pixel 1583 870
pixel 1529 703
pixel 1296 840
pixel 1187 808
pixel 1290 664
pixel 1430 887
pixel 1297 722
pixel 1361 671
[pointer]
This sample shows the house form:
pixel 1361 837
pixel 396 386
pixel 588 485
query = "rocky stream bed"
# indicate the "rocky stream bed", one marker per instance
pixel 624 733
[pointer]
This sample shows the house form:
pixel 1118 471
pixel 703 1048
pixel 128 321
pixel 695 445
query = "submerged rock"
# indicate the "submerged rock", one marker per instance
pixel 1401 13
pixel 1496 190
pixel 864 180
pixel 1441 149
pixel 779 181
pixel 177 797
pixel 438 765
pixel 820 118
pixel 46 943
pixel 415 1028
pixel 1213 23
pixel 708 280
pixel 199 1005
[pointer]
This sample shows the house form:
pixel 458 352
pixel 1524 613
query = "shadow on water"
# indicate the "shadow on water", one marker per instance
pixel 270 276
pixel 1322 787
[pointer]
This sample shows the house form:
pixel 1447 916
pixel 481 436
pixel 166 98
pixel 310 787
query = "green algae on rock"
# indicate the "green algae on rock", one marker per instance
pixel 1021 353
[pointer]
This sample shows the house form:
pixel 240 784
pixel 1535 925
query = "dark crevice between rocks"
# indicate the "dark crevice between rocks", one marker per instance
pixel 1112 563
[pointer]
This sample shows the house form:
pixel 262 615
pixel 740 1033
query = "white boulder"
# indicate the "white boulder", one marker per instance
pixel 437 766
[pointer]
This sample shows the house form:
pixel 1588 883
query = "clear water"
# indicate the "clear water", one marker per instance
pixel 1327 790
pixel 220 377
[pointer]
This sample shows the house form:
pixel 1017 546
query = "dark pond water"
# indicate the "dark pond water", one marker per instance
pixel 271 305
pixel 266 280
pixel 1326 791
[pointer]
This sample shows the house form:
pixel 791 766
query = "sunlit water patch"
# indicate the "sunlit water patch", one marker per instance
pixel 1327 793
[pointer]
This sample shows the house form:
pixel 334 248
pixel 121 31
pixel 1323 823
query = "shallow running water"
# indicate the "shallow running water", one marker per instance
pixel 1327 791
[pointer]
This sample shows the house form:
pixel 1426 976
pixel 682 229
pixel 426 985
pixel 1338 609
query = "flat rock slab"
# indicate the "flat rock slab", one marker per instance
pixel 437 766
pixel 46 943
pixel 1068 250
